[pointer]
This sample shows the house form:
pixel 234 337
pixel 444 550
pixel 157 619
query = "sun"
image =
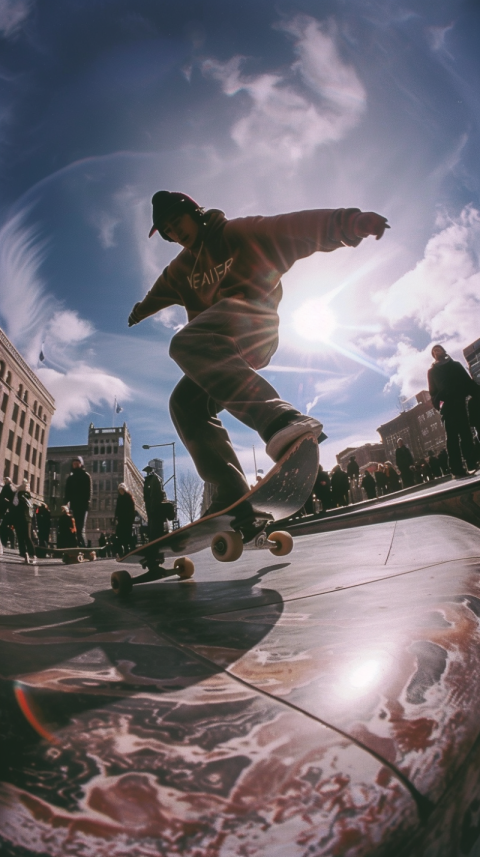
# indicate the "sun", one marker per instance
pixel 315 321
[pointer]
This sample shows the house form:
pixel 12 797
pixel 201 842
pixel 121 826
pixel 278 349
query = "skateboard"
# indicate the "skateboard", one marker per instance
pixel 279 494
pixel 74 555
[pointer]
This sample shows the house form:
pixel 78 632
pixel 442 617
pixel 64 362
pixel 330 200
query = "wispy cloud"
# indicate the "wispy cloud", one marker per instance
pixel 106 224
pixel 335 389
pixel 32 317
pixel 12 15
pixel 317 100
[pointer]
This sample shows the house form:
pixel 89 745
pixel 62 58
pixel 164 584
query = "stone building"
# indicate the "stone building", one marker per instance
pixel 367 453
pixel 26 411
pixel 419 426
pixel 107 457
pixel 472 356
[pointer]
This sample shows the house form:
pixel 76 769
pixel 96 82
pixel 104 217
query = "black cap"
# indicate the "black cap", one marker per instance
pixel 164 203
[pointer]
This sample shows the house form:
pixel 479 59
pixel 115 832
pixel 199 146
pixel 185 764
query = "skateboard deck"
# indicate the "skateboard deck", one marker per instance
pixel 281 493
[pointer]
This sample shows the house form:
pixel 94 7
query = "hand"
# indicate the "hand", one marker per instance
pixel 369 223
pixel 133 317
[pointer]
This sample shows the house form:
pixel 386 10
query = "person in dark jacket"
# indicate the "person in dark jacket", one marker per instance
pixel 369 486
pixel 391 477
pixel 125 517
pixel 434 465
pixel 78 493
pixel 340 486
pixel 353 470
pixel 66 529
pixel 23 512
pixel 380 480
pixel 404 462
pixel 158 509
pixel 228 277
pixel 6 498
pixel 321 491
pixel 44 520
pixel 449 384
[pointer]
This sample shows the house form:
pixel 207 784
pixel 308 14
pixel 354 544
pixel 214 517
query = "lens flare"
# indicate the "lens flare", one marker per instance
pixel 315 321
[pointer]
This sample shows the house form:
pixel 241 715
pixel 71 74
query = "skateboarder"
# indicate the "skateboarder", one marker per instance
pixel 228 277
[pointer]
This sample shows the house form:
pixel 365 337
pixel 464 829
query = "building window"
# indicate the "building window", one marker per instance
pixel 2 369
pixel 38 484
pixel 107 502
pixel 30 427
pixel 107 485
pixel 37 432
pixel 10 440
pixel 95 466
pixel 115 449
pixel 4 402
pixel 94 487
pixel 94 503
pixel 39 459
pixel 27 452
pixel 120 441
pixel 18 446
pixel 109 466
pixel 22 419
pixel 100 485
pixel 43 436
pixel 34 457
pixel 6 469
pixel 15 413
pixel 15 473
pixel 115 465
pixel 8 379
pixel 25 397
pixel 102 450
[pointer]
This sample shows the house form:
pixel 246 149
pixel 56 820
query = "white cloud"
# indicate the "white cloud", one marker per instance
pixel 442 293
pixel 34 318
pixel 317 100
pixel 334 389
pixel 106 225
pixel 12 14
pixel 440 297
pixel 79 389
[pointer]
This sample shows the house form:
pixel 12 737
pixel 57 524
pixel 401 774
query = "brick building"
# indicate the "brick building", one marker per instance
pixel 26 411
pixel 107 457
pixel 367 453
pixel 419 426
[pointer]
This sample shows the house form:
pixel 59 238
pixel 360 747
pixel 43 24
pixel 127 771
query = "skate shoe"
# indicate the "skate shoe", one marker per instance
pixel 282 439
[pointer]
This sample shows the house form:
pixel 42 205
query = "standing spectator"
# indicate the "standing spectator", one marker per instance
pixel 449 385
pixel 434 464
pixel 381 480
pixel 23 513
pixel 404 462
pixel 6 497
pixel 66 529
pixel 353 470
pixel 44 520
pixel 443 461
pixel 340 486
pixel 368 485
pixel 102 543
pixel 78 491
pixel 125 517
pixel 392 478
pixel 159 510
pixel 321 491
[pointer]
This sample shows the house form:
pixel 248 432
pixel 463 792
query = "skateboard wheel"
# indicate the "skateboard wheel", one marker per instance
pixel 184 567
pixel 121 582
pixel 227 547
pixel 283 543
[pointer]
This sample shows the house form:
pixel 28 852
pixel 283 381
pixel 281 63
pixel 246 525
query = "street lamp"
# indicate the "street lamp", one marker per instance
pixel 172 444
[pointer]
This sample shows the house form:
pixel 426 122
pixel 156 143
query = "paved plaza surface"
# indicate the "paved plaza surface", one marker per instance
pixel 323 703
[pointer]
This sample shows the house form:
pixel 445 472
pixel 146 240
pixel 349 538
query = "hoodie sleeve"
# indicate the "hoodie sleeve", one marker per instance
pixel 300 233
pixel 162 294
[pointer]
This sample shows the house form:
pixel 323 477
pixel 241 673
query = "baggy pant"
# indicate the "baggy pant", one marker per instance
pixel 218 352
pixel 458 431
pixel 80 517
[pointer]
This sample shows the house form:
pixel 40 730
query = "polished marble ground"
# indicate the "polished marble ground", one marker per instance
pixel 323 703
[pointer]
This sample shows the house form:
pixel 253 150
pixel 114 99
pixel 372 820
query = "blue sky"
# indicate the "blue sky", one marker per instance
pixel 255 107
